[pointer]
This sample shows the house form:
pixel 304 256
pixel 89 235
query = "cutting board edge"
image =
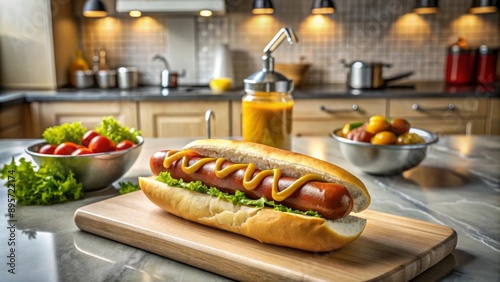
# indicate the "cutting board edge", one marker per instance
pixel 228 270
pixel 84 216
pixel 425 260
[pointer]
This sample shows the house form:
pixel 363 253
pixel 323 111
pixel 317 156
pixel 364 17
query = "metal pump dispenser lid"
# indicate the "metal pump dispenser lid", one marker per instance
pixel 268 80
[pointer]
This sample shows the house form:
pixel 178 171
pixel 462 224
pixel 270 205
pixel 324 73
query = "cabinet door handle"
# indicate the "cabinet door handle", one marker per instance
pixel 209 115
pixel 354 108
pixel 450 107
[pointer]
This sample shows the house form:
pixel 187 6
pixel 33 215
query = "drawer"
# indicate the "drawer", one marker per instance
pixel 493 119
pixel 451 126
pixel 321 117
pixel 330 109
pixel 183 118
pixel 16 131
pixel 11 115
pixel 438 107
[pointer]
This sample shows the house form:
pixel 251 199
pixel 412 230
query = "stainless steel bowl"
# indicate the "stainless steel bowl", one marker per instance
pixel 385 159
pixel 94 171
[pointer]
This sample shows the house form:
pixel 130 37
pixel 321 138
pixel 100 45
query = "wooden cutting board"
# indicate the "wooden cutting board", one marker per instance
pixel 391 247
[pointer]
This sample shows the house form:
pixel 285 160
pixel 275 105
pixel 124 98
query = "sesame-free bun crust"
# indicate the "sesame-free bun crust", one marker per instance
pixel 291 164
pixel 263 224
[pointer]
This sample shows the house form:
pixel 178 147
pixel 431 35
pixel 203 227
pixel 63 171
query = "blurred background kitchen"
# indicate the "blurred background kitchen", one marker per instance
pixel 375 30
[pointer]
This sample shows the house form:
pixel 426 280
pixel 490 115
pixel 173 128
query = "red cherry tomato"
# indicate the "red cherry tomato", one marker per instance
pixel 125 144
pixel 100 144
pixel 65 148
pixel 88 136
pixel 81 151
pixel 47 149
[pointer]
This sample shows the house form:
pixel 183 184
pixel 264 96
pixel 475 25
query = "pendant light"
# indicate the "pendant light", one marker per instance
pixel 484 6
pixel 323 7
pixel 262 7
pixel 206 13
pixel 426 7
pixel 94 9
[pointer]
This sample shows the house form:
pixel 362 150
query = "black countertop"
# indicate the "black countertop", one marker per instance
pixel 427 89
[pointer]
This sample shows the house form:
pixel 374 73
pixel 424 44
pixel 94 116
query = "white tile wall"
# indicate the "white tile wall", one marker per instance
pixel 375 30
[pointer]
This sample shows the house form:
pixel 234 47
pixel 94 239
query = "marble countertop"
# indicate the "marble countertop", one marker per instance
pixel 422 89
pixel 457 185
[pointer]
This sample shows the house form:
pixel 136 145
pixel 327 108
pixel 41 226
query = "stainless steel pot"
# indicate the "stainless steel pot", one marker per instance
pixel 106 78
pixel 127 77
pixel 84 79
pixel 365 75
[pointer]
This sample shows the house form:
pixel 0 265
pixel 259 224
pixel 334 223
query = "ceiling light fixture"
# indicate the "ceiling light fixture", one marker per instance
pixel 206 13
pixel 484 6
pixel 426 7
pixel 94 9
pixel 135 14
pixel 323 7
pixel 262 7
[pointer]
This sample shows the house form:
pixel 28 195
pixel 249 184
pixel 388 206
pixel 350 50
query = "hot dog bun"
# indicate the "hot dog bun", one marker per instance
pixel 265 225
pixel 291 164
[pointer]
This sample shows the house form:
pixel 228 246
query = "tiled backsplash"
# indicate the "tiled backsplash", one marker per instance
pixel 376 30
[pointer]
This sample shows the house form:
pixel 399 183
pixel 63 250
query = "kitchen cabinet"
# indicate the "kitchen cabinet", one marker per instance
pixel 15 121
pixel 236 125
pixel 314 117
pixel 443 115
pixel 319 117
pixel 46 114
pixel 38 42
pixel 184 118
pixel 311 116
pixel 493 117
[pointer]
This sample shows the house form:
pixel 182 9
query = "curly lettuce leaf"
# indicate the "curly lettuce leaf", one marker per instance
pixel 238 198
pixel 111 128
pixel 127 187
pixel 50 184
pixel 67 132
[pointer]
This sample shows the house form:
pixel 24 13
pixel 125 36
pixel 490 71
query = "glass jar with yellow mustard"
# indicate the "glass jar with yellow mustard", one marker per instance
pixel 267 118
pixel 267 104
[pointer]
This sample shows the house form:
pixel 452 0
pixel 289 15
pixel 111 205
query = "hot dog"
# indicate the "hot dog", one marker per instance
pixel 330 200
pixel 299 182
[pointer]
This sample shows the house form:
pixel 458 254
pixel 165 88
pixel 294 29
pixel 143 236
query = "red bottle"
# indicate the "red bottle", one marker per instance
pixel 486 64
pixel 459 64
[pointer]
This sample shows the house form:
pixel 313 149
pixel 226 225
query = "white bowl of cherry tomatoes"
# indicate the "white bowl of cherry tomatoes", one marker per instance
pixel 384 146
pixel 97 162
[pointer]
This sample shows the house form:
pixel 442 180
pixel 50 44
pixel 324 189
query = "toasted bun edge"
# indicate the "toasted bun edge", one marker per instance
pixel 263 224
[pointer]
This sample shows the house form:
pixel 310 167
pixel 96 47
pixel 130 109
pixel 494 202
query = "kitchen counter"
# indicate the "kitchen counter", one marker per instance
pixel 457 185
pixel 429 89
pixel 11 97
